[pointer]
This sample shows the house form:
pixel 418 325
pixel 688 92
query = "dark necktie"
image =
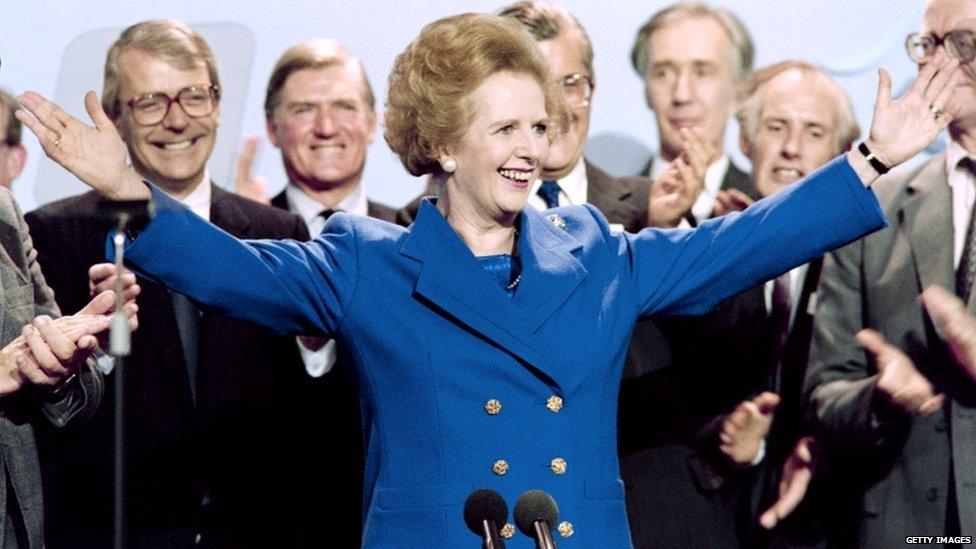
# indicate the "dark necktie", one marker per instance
pixel 779 320
pixel 549 191
pixel 188 322
pixel 327 213
pixel 966 271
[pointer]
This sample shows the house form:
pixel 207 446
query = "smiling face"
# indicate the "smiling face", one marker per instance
pixel 500 153
pixel 173 153
pixel 941 17
pixel 324 126
pixel 797 129
pixel 689 81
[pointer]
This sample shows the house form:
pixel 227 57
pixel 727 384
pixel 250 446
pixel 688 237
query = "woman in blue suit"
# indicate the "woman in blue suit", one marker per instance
pixel 488 338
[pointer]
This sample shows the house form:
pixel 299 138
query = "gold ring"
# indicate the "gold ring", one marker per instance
pixel 57 140
pixel 936 111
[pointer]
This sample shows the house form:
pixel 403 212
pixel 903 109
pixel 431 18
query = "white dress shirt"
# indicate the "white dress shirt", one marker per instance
pixel 963 187
pixel 572 188
pixel 318 363
pixel 702 208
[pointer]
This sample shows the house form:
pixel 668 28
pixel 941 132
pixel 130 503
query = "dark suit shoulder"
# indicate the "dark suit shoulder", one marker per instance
pixel 71 206
pixel 381 211
pixel 740 180
pixel 622 200
pixel 407 214
pixel 246 218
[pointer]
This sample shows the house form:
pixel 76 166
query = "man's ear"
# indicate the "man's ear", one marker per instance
pixel 16 159
pixel 744 145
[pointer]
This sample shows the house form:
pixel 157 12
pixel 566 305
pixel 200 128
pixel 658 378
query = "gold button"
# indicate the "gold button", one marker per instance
pixel 507 531
pixel 565 528
pixel 558 466
pixel 493 406
pixel 500 467
pixel 554 403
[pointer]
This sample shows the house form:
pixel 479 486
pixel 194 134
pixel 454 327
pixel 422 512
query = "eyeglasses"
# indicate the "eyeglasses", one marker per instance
pixel 959 44
pixel 150 109
pixel 577 90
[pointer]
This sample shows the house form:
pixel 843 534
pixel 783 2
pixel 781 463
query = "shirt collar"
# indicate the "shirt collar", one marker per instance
pixel 308 208
pixel 572 185
pixel 955 153
pixel 199 198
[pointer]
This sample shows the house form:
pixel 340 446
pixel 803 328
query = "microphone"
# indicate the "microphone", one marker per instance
pixel 535 513
pixel 484 510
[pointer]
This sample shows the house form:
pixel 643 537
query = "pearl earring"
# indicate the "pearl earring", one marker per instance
pixel 449 165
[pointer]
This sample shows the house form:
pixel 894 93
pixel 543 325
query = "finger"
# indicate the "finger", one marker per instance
pixel 939 82
pixel 766 402
pixel 99 305
pixel 931 405
pixel 690 180
pixel 95 111
pixel 44 356
pixel 925 75
pixel 48 112
pixel 945 93
pixel 31 371
pixel 101 271
pixel 740 199
pixel 45 136
pixel 792 490
pixel 872 342
pixel 245 161
pixel 53 340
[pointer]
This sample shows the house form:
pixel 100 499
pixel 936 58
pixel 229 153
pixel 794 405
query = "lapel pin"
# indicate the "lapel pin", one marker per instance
pixel 556 220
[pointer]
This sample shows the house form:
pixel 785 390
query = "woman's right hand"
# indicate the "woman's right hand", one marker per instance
pixel 95 154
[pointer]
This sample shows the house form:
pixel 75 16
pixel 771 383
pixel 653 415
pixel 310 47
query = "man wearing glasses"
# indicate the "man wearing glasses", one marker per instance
pixel 910 430
pixel 568 178
pixel 202 408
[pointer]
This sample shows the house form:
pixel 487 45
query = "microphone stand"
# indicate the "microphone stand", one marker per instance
pixel 120 346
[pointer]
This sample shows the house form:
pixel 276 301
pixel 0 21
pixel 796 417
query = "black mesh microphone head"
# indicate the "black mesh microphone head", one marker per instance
pixel 484 504
pixel 532 506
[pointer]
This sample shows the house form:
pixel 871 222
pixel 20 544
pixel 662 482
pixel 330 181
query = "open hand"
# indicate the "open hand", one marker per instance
pixel 797 474
pixel 246 182
pixel 95 154
pixel 903 127
pixel 676 190
pixel 899 382
pixel 746 427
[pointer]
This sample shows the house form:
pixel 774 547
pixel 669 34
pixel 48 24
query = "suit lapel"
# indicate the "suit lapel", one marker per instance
pixel 453 280
pixel 927 218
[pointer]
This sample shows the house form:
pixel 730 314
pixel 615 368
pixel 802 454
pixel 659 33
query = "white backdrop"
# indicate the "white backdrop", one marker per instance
pixel 57 48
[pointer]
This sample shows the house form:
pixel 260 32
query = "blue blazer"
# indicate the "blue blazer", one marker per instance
pixel 465 386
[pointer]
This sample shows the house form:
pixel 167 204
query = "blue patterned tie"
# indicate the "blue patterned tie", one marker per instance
pixel 549 191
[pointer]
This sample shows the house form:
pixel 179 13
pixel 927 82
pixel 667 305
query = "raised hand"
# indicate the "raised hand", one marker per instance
pixel 730 200
pixel 899 382
pixel 746 427
pixel 246 182
pixel 957 325
pixel 797 474
pixel 675 191
pixel 95 154
pixel 903 127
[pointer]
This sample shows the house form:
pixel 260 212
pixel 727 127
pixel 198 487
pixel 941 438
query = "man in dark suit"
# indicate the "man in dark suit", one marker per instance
pixel 567 177
pixel 691 58
pixel 681 483
pixel 202 395
pixel 916 451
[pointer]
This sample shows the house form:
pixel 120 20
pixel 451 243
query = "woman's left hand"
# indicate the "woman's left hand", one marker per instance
pixel 95 154
pixel 903 127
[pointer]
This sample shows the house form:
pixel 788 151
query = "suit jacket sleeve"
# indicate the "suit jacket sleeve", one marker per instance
pixel 287 286
pixel 83 393
pixel 840 385
pixel 689 271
